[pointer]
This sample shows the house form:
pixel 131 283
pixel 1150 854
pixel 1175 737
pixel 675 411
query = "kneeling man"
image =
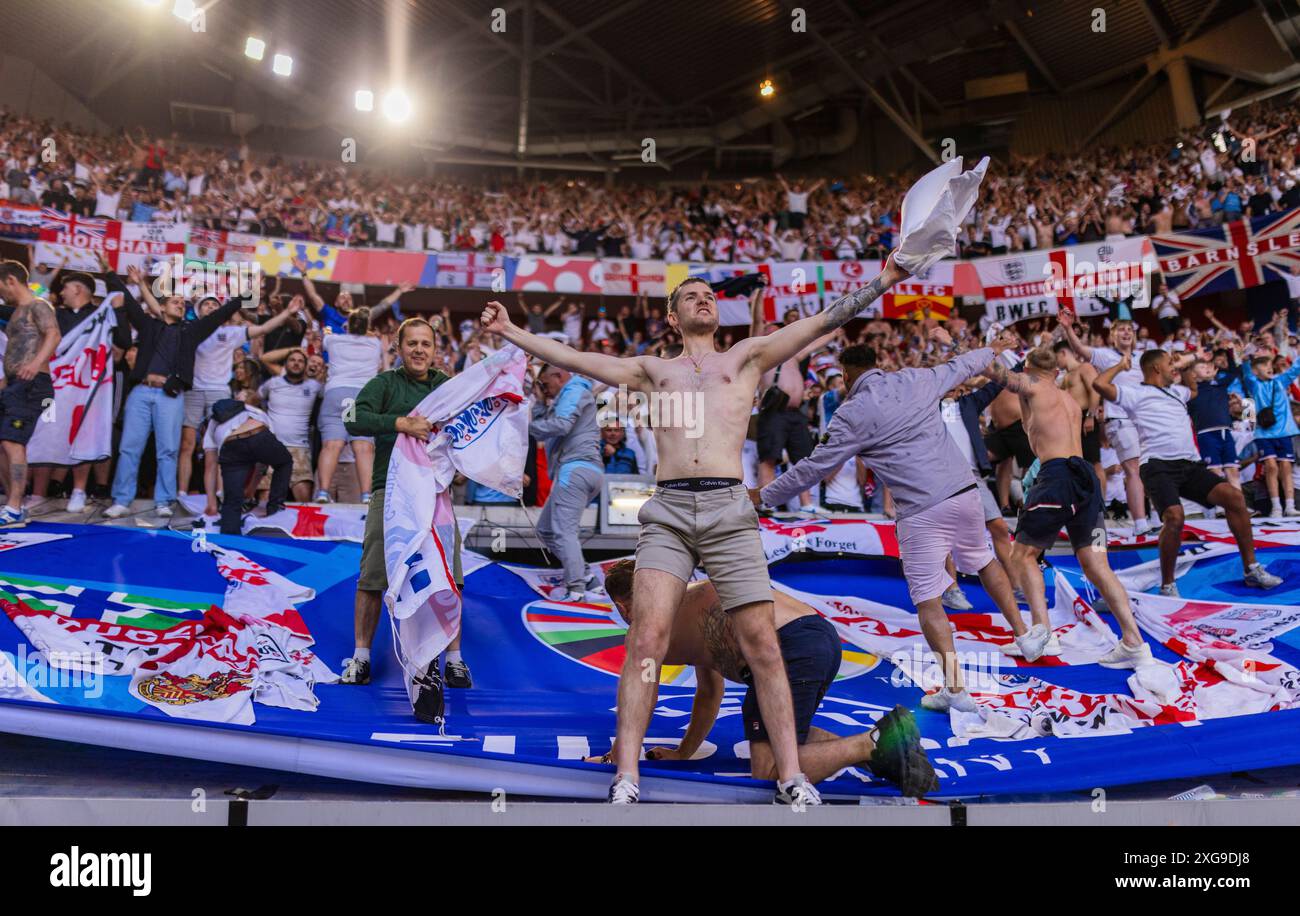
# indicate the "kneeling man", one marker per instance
pixel 704 636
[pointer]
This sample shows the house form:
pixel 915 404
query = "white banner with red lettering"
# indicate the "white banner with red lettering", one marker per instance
pixel 78 241
pixel 1032 284
pixel 78 426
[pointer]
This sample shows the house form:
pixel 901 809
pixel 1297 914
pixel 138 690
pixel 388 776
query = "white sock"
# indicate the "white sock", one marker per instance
pixel 1277 504
pixel 75 492
pixel 453 656
pixel 1141 526
pixel 360 654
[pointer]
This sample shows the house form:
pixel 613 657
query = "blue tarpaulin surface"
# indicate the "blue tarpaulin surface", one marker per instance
pixel 545 684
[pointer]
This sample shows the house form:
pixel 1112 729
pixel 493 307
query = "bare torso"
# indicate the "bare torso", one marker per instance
pixel 704 635
pixel 1078 382
pixel 701 432
pixel 791 381
pixel 1053 420
pixel 26 333
pixel 1005 410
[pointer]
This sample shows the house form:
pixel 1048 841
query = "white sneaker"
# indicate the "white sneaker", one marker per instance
pixel 1053 648
pixel 321 497
pixel 163 510
pixel 574 596
pixel 1170 590
pixel 943 699
pixel 798 792
pixel 116 511
pixel 1034 642
pixel 1291 512
pixel 955 599
pixel 1276 514
pixel 77 501
pixel 624 791
pixel 814 509
pixel 1259 577
pixel 1141 528
pixel 1123 656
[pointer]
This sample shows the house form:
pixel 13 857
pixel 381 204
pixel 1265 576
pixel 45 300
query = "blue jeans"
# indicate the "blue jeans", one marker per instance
pixel 148 409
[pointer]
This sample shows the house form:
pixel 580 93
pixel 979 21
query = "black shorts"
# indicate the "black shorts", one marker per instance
pixel 1010 442
pixel 811 651
pixel 1167 482
pixel 1092 445
pixel 21 405
pixel 1066 494
pixel 784 431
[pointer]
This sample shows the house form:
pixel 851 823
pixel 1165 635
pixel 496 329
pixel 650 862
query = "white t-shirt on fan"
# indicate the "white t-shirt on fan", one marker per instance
pixel 1105 357
pixel 354 359
pixel 212 367
pixel 290 408
pixel 1162 421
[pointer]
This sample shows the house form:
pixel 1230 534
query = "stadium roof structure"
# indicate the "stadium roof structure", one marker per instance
pixel 582 83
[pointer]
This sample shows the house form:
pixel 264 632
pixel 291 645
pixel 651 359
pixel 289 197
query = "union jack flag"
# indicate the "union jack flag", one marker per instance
pixel 66 229
pixel 1237 255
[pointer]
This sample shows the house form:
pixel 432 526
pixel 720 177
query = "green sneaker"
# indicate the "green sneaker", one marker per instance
pixel 899 756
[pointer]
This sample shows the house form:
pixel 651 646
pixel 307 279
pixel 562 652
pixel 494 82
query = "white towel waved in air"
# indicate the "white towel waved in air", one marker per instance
pixel 933 210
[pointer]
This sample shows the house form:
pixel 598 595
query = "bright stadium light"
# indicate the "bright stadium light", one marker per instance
pixel 397 105
pixel 365 100
pixel 766 89
pixel 254 48
pixel 282 65
pixel 183 9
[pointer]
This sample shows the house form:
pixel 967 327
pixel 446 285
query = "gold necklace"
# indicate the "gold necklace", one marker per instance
pixel 693 362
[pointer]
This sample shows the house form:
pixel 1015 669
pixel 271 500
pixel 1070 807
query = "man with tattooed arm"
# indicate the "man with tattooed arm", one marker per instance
pixel 700 513
pixel 33 335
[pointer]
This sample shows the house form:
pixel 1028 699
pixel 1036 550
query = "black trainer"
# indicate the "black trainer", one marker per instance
pixel 355 671
pixel 899 756
pixel 457 675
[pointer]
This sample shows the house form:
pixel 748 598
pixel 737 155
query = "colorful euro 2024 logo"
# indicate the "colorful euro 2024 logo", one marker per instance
pixel 592 635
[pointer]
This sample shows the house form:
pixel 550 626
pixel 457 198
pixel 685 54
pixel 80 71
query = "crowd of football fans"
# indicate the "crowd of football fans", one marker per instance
pixel 304 357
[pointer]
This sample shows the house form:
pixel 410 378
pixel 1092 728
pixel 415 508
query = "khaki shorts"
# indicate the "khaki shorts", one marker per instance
pixel 716 529
pixel 301 472
pixel 374 572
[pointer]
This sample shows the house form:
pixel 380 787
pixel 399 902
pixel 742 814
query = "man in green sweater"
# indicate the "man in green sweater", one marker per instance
pixel 380 411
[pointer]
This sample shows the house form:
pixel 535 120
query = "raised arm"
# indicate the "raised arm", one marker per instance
pixel 1066 320
pixel 390 300
pixel 1104 383
pixel 258 330
pixel 756 312
pixel 780 345
pixel 308 287
pixel 612 370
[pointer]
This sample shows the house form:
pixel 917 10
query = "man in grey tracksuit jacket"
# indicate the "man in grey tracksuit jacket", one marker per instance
pixel 892 421
pixel 571 435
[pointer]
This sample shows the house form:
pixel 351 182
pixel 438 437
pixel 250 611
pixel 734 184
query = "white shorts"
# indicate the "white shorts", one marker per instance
pixel 1123 437
pixel 925 540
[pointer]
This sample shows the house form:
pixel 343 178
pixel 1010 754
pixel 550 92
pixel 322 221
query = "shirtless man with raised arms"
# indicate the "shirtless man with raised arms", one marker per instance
pixel 700 513
pixel 1066 494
